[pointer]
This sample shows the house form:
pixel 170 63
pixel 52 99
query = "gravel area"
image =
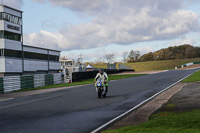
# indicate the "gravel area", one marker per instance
pixel 185 100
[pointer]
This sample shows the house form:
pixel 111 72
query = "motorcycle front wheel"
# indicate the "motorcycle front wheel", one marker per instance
pixel 99 92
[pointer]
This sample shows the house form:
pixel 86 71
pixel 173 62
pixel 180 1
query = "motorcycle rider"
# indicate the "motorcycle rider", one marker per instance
pixel 103 76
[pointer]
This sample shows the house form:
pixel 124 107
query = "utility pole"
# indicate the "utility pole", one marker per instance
pixel 80 58
pixel 64 72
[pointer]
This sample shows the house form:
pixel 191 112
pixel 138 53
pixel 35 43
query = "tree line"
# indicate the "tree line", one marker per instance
pixel 170 53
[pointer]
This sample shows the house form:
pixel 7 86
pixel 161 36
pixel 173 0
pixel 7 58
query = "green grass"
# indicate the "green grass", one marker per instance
pixel 84 82
pixel 166 122
pixel 160 65
pixel 169 106
pixel 154 65
pixel 193 78
pixel 99 65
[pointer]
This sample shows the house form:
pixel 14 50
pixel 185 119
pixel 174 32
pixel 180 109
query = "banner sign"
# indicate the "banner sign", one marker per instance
pixel 13 27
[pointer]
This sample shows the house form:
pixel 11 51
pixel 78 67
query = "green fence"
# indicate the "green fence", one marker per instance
pixel 27 82
pixel 49 79
pixel 1 85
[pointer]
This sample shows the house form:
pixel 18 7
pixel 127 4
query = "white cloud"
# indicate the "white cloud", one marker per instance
pixel 189 41
pixel 182 41
pixel 120 22
pixel 40 1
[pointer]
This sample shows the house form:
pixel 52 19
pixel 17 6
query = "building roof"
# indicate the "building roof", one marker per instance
pixel 41 48
pixel 11 8
pixel 61 60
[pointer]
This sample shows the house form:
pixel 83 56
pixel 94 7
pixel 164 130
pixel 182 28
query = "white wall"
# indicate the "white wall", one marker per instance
pixel 34 65
pixel 13 65
pixel 54 65
pixel 8 10
pixel 54 53
pixel 35 50
pixel 1 25
pixel 2 44
pixel 10 44
pixel 11 30
pixel 2 64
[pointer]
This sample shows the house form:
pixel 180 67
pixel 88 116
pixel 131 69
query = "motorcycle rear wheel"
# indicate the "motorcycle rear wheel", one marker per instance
pixel 104 95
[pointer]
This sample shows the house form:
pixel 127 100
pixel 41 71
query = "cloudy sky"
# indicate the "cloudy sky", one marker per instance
pixel 97 27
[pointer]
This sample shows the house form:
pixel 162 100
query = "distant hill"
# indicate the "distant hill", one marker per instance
pixel 160 65
pixel 163 59
pixel 185 51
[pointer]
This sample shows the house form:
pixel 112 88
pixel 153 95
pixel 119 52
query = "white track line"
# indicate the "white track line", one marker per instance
pixel 118 117
pixel 1 100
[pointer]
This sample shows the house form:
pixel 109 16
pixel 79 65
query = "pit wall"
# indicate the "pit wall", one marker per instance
pixel 13 83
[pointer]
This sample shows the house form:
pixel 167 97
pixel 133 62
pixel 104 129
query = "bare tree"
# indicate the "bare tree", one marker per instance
pixel 110 58
pixel 125 57
pixel 63 58
pixel 137 55
pixel 99 60
pixel 133 56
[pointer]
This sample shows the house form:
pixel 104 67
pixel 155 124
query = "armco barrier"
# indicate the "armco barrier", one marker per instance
pixel 49 79
pixel 12 83
pixel 1 85
pixel 57 78
pixel 27 82
pixel 79 76
pixel 196 62
pixel 39 80
pixel 188 64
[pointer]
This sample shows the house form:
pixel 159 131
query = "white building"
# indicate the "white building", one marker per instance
pixel 72 66
pixel 19 59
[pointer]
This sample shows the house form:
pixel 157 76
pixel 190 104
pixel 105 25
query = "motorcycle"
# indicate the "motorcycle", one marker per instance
pixel 100 88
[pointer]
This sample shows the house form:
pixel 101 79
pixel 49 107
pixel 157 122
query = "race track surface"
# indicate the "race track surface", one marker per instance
pixel 78 110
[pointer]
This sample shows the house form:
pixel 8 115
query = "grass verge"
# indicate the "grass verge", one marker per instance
pixel 154 65
pixel 84 82
pixel 166 122
pixel 193 78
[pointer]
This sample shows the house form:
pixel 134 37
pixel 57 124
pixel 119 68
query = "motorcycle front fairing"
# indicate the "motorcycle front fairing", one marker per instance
pixel 100 83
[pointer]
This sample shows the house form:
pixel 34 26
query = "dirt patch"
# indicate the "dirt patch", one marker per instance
pixel 142 114
pixel 189 67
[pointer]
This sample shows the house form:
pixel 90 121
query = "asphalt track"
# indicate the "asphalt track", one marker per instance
pixel 78 110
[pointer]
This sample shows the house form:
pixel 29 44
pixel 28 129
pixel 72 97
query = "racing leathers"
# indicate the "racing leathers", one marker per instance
pixel 103 77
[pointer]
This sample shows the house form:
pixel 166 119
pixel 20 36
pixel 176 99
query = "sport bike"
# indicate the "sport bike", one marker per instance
pixel 100 88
